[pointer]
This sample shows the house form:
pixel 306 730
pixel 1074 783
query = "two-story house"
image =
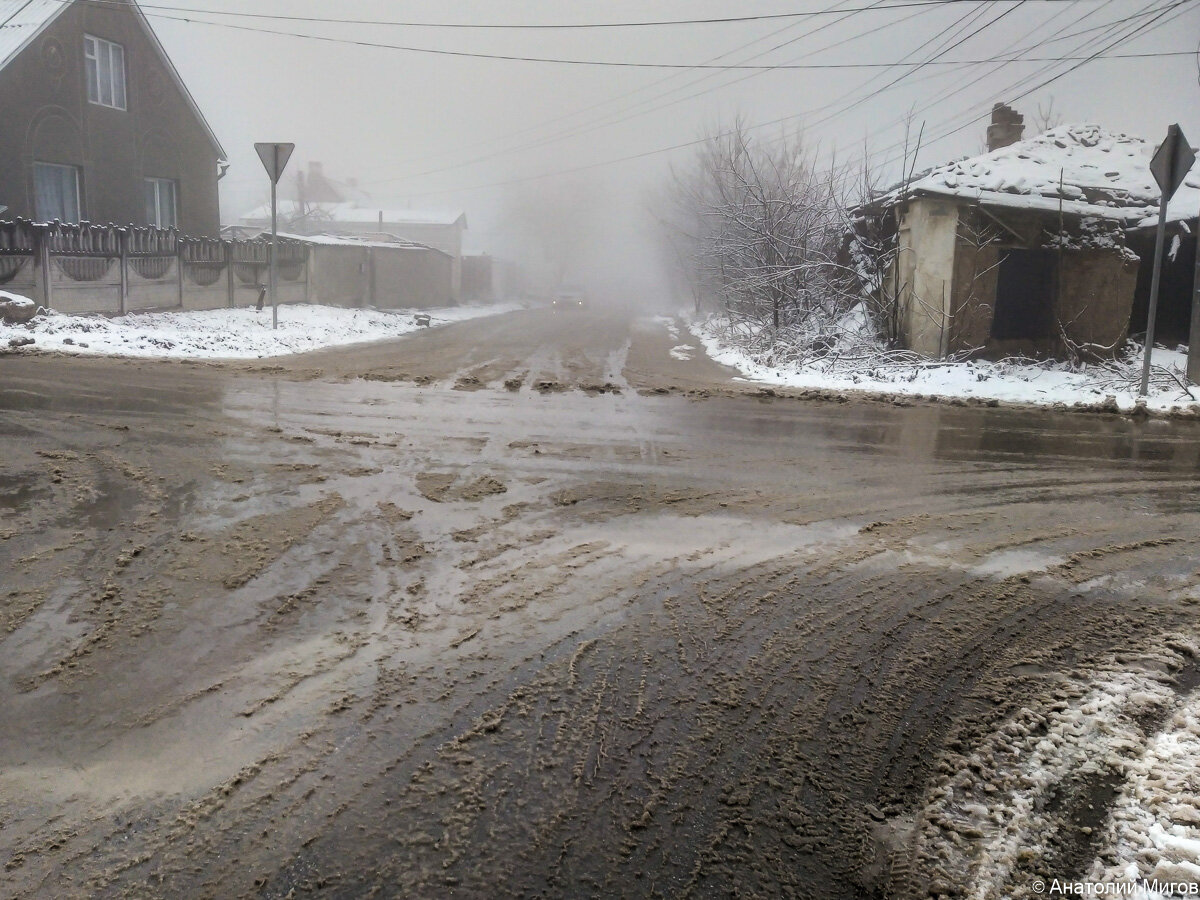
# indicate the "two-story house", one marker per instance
pixel 96 124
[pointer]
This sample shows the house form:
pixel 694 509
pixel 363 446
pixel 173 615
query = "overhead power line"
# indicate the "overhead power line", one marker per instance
pixel 562 61
pixel 536 26
pixel 1159 18
pixel 660 102
pixel 953 40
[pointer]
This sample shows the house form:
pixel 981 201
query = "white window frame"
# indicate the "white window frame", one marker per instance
pixel 104 63
pixel 154 205
pixel 65 217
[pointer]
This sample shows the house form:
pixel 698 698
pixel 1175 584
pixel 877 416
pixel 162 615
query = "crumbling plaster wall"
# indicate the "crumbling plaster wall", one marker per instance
pixel 928 230
pixel 1095 297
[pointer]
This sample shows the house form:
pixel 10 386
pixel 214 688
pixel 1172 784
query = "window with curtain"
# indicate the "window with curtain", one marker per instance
pixel 56 190
pixel 105 65
pixel 161 203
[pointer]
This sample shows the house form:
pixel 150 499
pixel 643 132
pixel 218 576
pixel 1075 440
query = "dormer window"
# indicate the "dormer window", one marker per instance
pixel 105 65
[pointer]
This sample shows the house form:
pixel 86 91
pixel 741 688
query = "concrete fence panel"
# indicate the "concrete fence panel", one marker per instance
pixel 153 283
pixel 413 278
pixel 85 284
pixel 19 275
pixel 340 275
pixel 109 270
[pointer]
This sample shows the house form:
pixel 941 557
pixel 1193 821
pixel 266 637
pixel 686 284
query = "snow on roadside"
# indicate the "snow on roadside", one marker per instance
pixel 1004 814
pixel 228 333
pixel 866 367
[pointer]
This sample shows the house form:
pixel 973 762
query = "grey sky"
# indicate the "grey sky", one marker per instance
pixel 408 125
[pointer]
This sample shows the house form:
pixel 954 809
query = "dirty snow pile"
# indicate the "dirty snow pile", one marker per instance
pixel 849 358
pixel 681 352
pixel 1014 809
pixel 16 301
pixel 225 333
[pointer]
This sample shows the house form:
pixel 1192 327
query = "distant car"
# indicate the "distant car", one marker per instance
pixel 569 299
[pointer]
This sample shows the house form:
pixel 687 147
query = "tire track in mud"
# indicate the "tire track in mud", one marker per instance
pixel 695 648
pixel 733 742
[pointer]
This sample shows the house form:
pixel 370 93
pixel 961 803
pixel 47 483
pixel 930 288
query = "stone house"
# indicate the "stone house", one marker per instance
pixel 1022 250
pixel 97 123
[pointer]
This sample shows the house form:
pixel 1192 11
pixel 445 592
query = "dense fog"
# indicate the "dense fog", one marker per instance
pixel 424 107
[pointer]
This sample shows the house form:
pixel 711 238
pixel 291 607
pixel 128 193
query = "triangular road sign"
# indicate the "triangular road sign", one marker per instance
pixel 275 158
pixel 1172 162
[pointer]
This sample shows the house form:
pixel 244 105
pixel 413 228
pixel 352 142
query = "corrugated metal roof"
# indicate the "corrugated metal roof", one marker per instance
pixel 353 214
pixel 343 240
pixel 23 20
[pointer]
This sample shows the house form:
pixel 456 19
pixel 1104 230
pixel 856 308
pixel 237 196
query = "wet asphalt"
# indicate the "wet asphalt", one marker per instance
pixel 528 606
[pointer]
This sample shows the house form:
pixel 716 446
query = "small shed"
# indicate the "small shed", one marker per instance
pixel 440 229
pixel 384 274
pixel 1022 250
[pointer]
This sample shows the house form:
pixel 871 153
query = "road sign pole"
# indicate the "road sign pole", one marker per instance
pixel 1170 166
pixel 1193 366
pixel 274 240
pixel 274 159
pixel 1155 280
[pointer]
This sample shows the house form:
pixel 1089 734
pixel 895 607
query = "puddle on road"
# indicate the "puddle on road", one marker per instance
pixel 106 505
pixel 17 492
pixel 1017 562
pixel 954 433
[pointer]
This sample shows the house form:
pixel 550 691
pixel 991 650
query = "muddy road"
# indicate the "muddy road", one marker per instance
pixel 534 606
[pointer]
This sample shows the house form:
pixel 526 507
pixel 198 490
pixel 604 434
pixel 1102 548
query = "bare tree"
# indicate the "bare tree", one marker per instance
pixel 1046 117
pixel 761 228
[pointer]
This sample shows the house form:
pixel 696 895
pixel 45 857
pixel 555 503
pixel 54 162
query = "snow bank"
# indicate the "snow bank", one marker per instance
pixel 1009 809
pixel 228 333
pixel 855 362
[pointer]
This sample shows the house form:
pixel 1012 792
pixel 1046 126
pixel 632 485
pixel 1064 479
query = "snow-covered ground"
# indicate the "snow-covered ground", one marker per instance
pixel 864 367
pixel 227 333
pixel 1130 726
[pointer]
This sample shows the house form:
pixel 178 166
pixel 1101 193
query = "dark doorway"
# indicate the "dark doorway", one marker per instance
pixel 1025 295
pixel 1174 319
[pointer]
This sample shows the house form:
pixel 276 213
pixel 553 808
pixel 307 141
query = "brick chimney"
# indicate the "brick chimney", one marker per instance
pixel 1008 127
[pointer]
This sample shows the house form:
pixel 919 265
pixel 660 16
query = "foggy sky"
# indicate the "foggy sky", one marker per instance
pixel 403 123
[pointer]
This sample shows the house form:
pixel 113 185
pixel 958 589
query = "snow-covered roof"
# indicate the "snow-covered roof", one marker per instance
pixel 1081 169
pixel 342 240
pixel 352 214
pixel 21 21
pixel 1184 205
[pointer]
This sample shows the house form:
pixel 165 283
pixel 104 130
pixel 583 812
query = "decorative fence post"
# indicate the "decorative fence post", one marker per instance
pixel 178 264
pixel 43 252
pixel 123 242
pixel 229 270
pixel 308 255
